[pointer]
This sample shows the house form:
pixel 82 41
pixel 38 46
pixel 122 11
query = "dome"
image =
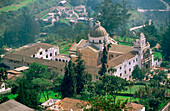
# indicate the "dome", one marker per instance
pixel 98 31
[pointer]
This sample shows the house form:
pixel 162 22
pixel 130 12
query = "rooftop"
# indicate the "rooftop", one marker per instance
pixel 120 59
pixel 32 49
pixel 98 31
pixel 13 105
pixel 133 107
pixel 68 103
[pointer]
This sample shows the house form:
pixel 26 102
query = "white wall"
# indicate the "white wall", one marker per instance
pixel 54 51
pixel 125 66
pixel 2 87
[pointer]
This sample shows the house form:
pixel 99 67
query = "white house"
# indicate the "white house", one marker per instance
pixel 2 86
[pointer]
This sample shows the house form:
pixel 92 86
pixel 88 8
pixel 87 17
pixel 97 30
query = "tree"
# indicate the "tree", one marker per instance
pixel 125 16
pixel 73 78
pixel 42 85
pixel 82 76
pixel 69 84
pixel 151 33
pixel 66 86
pixel 27 95
pixel 165 45
pixel 105 103
pixel 103 69
pixel 152 95
pixel 3 74
pixel 137 73
pixel 130 85
pixel 57 83
pixel 37 70
pixel 23 29
pixel 109 15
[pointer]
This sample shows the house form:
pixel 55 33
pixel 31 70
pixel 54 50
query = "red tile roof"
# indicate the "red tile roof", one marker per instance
pixel 68 103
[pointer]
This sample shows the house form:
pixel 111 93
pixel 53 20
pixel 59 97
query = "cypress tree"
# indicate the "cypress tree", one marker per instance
pixel 80 71
pixel 65 86
pixel 73 78
pixel 103 69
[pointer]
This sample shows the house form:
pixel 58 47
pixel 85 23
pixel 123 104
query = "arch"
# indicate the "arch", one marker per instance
pixel 56 59
pixel 63 60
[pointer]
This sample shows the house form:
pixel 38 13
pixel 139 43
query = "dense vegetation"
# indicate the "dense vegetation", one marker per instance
pixel 19 27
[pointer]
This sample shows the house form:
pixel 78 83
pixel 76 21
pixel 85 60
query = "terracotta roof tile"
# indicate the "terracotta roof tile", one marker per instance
pixel 133 106
pixel 27 59
pixel 68 103
pixel 82 43
pixel 120 48
pixel 33 49
pixel 120 59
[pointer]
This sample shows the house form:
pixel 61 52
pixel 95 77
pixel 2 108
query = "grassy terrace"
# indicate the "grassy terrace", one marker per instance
pixel 15 6
pixel 157 55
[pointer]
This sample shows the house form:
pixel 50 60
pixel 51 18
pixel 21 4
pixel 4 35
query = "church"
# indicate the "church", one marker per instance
pixel 122 58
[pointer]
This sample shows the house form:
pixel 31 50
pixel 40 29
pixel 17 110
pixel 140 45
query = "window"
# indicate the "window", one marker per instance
pixel 56 59
pixel 50 54
pixel 125 72
pixel 133 60
pixel 125 66
pixel 28 64
pixel 93 41
pixel 33 55
pixel 46 56
pixel 40 53
pixel 11 61
pixel 46 50
pixel 60 60
pixel 61 69
pixel 97 77
pixel 136 59
pixel 120 68
pixel 63 60
pixel 129 63
pixel 111 55
pixel 66 60
pixel 99 41
pixel 99 54
pixel 55 53
pixel 120 74
pixel 130 77
pixel 129 69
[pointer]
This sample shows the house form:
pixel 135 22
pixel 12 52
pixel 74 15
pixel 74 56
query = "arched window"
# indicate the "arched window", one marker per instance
pixel 56 59
pixel 63 60
pixel 59 59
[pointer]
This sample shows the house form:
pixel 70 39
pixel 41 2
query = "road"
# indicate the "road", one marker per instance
pixel 160 10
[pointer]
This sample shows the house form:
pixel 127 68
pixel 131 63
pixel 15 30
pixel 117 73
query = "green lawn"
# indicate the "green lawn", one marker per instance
pixel 45 17
pixel 14 6
pixel 124 98
pixel 157 55
pixel 134 88
pixel 127 44
pixel 11 96
pixel 51 95
pixel 42 99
